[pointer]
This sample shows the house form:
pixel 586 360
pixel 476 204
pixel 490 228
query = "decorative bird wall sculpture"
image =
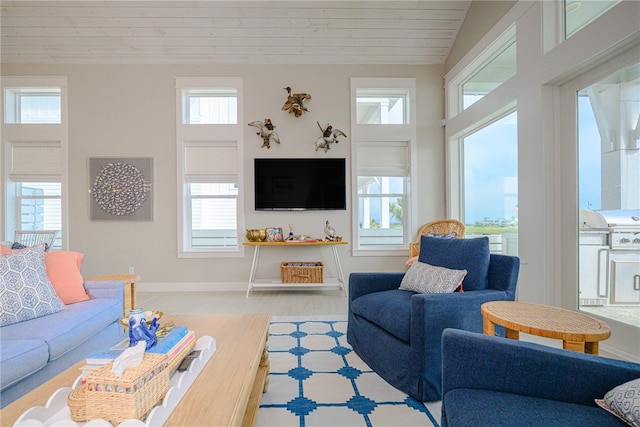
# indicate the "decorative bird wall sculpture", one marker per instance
pixel 294 102
pixel 267 132
pixel 329 136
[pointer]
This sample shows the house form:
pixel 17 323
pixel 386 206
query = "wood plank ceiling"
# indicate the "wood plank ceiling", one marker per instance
pixel 229 32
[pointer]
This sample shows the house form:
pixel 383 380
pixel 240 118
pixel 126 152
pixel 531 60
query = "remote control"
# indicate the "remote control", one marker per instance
pixel 186 362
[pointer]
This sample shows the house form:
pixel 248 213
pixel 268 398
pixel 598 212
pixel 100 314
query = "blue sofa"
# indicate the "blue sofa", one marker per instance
pixel 398 333
pixel 493 381
pixel 33 351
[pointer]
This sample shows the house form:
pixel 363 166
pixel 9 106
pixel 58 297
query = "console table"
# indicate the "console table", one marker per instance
pixel 276 283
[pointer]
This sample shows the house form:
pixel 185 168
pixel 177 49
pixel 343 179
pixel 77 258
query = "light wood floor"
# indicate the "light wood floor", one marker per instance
pixel 276 303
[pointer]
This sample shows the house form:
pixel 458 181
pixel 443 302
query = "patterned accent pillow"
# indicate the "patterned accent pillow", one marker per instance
pixel 25 290
pixel 428 279
pixel 623 401
pixel 451 235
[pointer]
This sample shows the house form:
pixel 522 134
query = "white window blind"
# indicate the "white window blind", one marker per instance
pixel 206 160
pixel 383 158
pixel 35 160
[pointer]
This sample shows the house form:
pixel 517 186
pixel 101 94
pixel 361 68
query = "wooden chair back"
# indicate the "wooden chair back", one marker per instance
pixel 442 226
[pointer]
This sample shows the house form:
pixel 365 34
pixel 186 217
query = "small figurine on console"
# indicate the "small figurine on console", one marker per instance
pixel 331 233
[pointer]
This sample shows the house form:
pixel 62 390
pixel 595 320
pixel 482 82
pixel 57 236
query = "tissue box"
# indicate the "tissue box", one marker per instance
pixel 131 395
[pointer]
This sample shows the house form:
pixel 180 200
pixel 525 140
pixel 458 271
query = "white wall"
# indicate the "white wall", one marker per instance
pixel 129 110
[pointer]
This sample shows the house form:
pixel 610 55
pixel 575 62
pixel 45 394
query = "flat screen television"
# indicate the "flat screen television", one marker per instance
pixel 300 184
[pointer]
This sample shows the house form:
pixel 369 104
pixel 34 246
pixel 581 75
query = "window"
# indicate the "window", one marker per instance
pixel 209 140
pixel 213 213
pixel 609 182
pixel 34 156
pixel 384 139
pixel 211 195
pixel 489 69
pixel 578 14
pixel 381 107
pixel 492 75
pixel 32 105
pixel 210 106
pixel 490 170
pixel 40 207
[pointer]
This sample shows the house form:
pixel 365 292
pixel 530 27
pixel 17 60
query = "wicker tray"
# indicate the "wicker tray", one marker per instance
pixel 131 395
pixel 301 272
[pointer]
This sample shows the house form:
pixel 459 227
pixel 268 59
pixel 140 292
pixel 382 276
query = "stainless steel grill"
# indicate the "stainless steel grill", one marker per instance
pixel 623 226
pixel 610 257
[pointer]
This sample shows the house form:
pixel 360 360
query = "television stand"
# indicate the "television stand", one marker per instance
pixel 337 282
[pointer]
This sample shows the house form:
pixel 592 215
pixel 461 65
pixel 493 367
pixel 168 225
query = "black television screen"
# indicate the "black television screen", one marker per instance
pixel 300 184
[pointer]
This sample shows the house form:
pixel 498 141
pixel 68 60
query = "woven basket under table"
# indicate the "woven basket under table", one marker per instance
pixel 301 272
pixel 131 395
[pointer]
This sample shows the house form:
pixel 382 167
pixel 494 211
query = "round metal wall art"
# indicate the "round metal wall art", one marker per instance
pixel 120 189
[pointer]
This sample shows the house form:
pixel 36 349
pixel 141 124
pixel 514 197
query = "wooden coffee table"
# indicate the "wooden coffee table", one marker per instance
pixel 577 331
pixel 226 393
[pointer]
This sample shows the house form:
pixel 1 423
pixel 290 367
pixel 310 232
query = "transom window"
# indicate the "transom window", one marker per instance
pixel 39 105
pixel 210 106
pixel 497 71
pixel 381 106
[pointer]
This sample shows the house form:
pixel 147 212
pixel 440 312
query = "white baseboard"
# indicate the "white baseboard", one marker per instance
pixel 617 353
pixel 191 287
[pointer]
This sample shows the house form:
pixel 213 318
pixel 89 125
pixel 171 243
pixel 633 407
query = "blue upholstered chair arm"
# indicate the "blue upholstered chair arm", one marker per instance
pixel 433 313
pixel 503 273
pixel 475 361
pixel 366 283
pixel 105 289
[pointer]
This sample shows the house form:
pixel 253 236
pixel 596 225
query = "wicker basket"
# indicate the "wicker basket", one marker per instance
pixel 77 402
pixel 131 395
pixel 301 271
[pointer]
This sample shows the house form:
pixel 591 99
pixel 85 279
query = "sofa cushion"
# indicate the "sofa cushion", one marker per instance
pixel 472 408
pixel 624 402
pixel 65 330
pixel 390 310
pixel 430 279
pixel 459 254
pixel 63 270
pixel 25 290
pixel 20 359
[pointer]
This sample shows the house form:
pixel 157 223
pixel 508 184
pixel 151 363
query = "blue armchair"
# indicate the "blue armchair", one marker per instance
pixel 515 383
pixel 398 333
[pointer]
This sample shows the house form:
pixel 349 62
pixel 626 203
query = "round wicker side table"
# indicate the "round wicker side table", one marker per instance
pixel 577 331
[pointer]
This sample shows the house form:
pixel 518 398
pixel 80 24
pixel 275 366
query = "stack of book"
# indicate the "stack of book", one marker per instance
pixel 178 342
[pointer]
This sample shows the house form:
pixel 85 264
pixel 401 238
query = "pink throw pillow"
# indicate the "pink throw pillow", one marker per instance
pixel 63 270
pixel 5 250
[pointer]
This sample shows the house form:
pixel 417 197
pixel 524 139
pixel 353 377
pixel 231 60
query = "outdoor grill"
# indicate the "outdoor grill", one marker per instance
pixel 609 257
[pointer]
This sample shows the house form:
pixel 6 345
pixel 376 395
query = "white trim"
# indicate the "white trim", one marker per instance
pixel 405 133
pixel 188 135
pixel 15 133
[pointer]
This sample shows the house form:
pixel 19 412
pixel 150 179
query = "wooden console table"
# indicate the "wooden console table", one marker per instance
pixel 273 283
pixel 577 331
pixel 129 288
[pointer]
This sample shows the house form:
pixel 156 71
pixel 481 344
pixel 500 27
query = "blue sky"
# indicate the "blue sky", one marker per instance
pixel 491 171
pixel 589 176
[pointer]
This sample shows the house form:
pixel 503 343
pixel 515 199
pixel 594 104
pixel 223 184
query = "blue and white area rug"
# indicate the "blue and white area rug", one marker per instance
pixel 316 379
